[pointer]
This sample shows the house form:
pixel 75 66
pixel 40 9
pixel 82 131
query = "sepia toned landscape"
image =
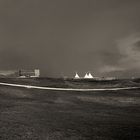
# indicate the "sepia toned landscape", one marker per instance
pixel 69 69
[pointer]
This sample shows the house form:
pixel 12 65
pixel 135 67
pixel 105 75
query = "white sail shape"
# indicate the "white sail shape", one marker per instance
pixel 76 76
pixel 90 76
pixel 86 76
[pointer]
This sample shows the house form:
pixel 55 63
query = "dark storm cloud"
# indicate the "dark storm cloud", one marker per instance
pixel 63 36
pixel 137 45
pixel 129 63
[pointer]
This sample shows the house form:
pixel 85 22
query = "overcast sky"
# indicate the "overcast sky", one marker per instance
pixel 64 36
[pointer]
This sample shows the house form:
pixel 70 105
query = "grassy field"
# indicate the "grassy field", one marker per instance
pixel 32 114
pixel 69 83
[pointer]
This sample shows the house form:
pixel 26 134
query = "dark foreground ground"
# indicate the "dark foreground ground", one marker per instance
pixel 71 83
pixel 31 114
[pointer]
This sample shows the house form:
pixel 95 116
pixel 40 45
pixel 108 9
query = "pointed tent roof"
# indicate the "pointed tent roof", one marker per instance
pixel 86 76
pixel 76 76
pixel 90 76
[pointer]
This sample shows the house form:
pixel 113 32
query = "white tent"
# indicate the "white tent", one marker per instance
pixel 86 76
pixel 76 76
pixel 90 76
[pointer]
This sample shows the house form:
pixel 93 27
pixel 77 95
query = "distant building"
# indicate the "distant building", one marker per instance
pixel 19 73
pixel 37 72
pixel 29 73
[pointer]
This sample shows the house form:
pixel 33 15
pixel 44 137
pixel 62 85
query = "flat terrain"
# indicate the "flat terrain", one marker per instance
pixel 32 114
pixel 70 83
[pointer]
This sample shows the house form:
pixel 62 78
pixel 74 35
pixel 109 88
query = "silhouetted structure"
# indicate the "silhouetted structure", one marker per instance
pixel 29 73
pixel 19 73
